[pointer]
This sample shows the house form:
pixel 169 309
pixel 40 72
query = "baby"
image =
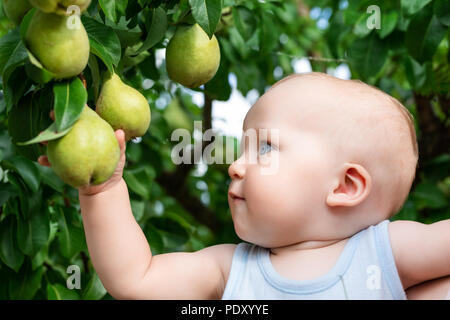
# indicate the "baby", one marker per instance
pixel 315 228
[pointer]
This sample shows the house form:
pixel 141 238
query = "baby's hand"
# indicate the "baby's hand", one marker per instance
pixel 112 181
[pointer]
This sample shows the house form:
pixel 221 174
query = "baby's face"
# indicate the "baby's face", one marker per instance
pixel 291 172
pixel 295 182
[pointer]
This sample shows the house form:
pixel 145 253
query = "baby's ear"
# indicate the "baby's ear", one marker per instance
pixel 351 186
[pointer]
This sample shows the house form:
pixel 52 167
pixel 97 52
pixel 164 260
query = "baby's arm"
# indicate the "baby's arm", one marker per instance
pixel 438 289
pixel 121 254
pixel 421 251
pixel 122 258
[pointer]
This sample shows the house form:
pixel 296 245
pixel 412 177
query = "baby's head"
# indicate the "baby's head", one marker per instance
pixel 346 156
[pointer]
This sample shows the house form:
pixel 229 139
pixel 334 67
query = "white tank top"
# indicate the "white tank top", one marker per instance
pixel 365 270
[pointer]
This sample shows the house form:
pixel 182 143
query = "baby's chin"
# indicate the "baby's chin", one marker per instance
pixel 265 243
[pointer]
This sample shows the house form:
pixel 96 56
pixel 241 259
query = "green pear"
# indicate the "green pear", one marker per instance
pixel 15 10
pixel 88 154
pixel 123 107
pixel 26 120
pixel 177 117
pixel 192 59
pixel 59 6
pixel 60 46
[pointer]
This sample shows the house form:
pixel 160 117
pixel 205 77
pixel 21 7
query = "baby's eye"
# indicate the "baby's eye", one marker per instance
pixel 264 147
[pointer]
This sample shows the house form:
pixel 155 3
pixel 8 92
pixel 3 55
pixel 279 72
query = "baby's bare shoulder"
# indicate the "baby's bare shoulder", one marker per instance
pixel 185 275
pixel 421 251
pixel 223 254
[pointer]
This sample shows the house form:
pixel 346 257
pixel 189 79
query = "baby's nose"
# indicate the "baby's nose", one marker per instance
pixel 237 169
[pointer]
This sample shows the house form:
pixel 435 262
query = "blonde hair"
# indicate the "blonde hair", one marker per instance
pixel 402 182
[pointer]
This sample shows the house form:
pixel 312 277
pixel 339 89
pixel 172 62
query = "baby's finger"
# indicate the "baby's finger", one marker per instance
pixel 52 116
pixel 43 142
pixel 120 135
pixel 43 160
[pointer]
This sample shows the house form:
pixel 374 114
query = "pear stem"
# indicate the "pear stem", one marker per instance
pixel 83 80
pixel 180 20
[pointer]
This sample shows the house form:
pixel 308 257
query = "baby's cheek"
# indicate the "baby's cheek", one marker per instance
pixel 268 194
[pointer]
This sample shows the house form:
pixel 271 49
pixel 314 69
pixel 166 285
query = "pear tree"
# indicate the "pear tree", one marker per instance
pixel 75 72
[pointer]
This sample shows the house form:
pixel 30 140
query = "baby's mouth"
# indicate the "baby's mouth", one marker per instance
pixel 235 197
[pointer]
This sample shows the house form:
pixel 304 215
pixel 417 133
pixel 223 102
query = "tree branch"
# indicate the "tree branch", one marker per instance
pixel 85 260
pixel 434 136
pixel 175 182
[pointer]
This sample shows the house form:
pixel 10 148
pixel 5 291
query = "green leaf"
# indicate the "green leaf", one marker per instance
pixel 335 32
pixel 94 289
pixel 113 8
pixel 10 253
pixel 50 178
pixel 360 29
pixel 40 257
pixel 156 25
pixel 29 201
pixel 410 7
pixel 48 134
pixel 207 14
pixel 36 71
pixel 38 75
pixel 8 44
pixel 407 212
pixel 139 180
pixel 181 219
pixel 171 229
pixel 424 34
pixel 351 14
pixel 154 239
pixel 95 73
pixel 388 23
pixel 18 57
pixel 71 238
pixel 70 99
pixel 8 191
pixel 227 49
pixel 428 195
pixel 137 207
pixel 27 169
pixel 28 118
pixel 18 84
pixel 442 11
pixel 239 43
pixel 218 88
pixel 20 185
pixel 244 21
pixel 33 232
pixel 59 292
pixel 368 55
pixel 26 22
pixel 180 11
pixel 128 35
pixel 25 284
pixel 269 34
pixel 103 41
pixel 415 72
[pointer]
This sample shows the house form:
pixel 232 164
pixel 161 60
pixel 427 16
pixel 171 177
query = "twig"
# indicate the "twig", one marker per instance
pixel 312 58
pixel 175 182
pixel 83 80
pixel 85 261
pixel 47 265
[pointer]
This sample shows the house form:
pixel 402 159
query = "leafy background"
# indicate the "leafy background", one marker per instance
pixel 179 207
